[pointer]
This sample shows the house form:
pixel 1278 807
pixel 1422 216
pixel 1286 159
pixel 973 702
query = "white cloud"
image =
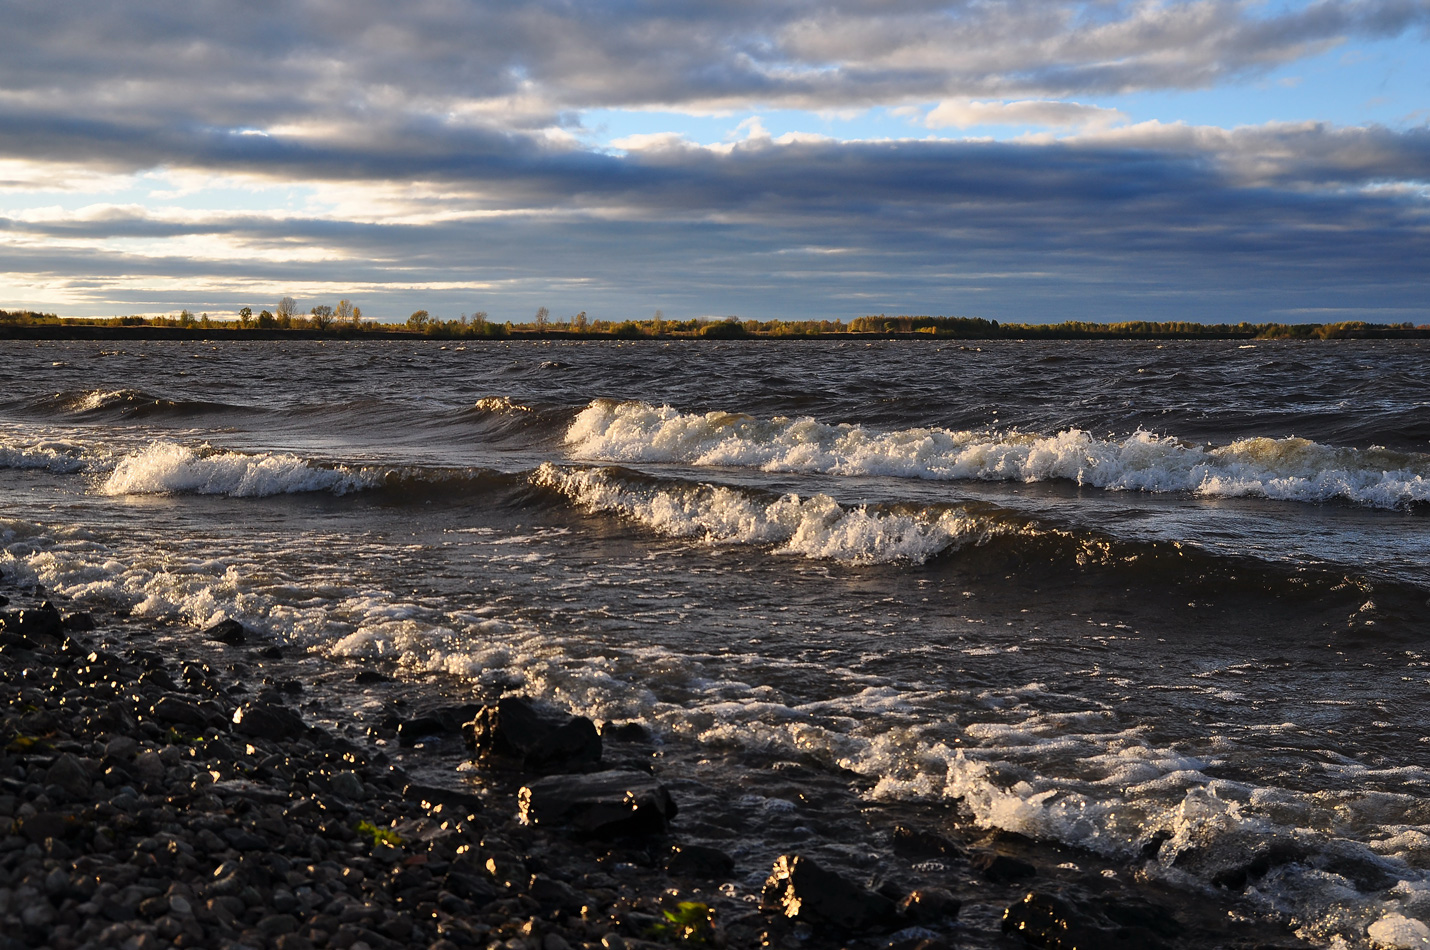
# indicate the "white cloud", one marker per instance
pixel 1043 113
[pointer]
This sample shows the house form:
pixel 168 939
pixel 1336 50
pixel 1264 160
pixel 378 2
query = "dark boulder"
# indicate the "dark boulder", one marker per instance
pixel 80 622
pixel 698 861
pixel 915 843
pixel 226 631
pixel 801 890
pixel 599 804
pixel 264 720
pixel 436 723
pixel 1002 868
pixel 173 711
pixel 1049 922
pixel 42 624
pixel 537 737
pixel 929 905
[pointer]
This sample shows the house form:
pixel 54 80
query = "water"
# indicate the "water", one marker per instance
pixel 1165 603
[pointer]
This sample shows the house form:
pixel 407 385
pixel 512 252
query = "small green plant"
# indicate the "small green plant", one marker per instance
pixel 379 835
pixel 691 921
pixel 24 743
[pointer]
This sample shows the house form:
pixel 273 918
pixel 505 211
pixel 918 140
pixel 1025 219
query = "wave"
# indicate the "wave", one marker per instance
pixel 167 468
pixel 816 526
pixel 130 403
pixel 1290 469
pixel 164 468
pixel 61 458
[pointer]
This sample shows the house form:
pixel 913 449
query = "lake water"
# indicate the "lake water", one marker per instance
pixel 1164 604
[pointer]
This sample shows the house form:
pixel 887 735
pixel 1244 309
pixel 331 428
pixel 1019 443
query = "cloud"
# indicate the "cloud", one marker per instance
pixel 438 144
pixel 963 114
pixel 1145 221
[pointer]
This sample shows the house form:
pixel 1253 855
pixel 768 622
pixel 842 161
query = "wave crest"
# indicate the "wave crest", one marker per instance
pixel 816 526
pixel 164 468
pixel 1289 469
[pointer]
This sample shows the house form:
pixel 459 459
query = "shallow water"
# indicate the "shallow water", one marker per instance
pixel 1108 595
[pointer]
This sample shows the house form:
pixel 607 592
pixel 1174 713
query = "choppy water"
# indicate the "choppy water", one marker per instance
pixel 1103 594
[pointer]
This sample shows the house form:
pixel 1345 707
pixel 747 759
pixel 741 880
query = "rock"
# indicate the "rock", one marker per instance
pixel 602 804
pixel 914 843
pixel 624 732
pixel 928 905
pixel 42 623
pixel 693 860
pixel 267 720
pixel 430 796
pixel 121 747
pixel 539 738
pixel 1045 921
pixel 173 711
pixel 1002 868
pixel 368 677
pixel 226 631
pixel 801 890
pixel 555 895
pixel 347 784
pixel 149 767
pixel 79 622
pixel 70 774
pixel 413 731
pixel 42 825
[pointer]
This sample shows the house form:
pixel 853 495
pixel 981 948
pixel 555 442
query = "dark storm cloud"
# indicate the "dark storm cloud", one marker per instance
pixel 1204 226
pixel 144 65
pixel 469 98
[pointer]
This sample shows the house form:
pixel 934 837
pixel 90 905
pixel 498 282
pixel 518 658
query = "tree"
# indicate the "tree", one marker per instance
pixel 245 316
pixel 286 308
pixel 357 316
pixel 419 320
pixel 541 317
pixel 344 313
pixel 658 323
pixel 266 321
pixel 578 322
pixel 322 316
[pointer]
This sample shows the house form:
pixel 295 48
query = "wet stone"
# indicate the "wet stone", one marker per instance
pixel 1002 868
pixel 267 720
pixel 601 804
pixel 698 861
pixel 801 890
pixel 226 631
pixel 536 736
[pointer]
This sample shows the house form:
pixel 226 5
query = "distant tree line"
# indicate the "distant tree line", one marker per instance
pixel 346 319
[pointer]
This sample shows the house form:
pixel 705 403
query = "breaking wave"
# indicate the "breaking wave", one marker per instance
pixel 61 458
pixel 816 526
pixel 164 468
pixel 1288 469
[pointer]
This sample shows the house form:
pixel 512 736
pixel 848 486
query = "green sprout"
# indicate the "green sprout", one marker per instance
pixel 379 835
pixel 691 921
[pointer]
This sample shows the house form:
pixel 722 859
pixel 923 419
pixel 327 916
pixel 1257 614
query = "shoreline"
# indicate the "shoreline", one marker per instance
pixel 84 332
pixel 142 814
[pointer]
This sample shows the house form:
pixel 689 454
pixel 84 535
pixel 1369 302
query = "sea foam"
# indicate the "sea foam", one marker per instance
pixel 164 468
pixel 62 458
pixel 816 526
pixel 1291 469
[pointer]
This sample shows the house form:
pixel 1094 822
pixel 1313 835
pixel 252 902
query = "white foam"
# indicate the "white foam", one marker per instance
pixel 1285 469
pixel 60 457
pixel 815 526
pixel 164 468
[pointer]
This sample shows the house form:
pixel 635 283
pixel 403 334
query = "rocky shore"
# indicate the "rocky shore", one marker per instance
pixel 160 796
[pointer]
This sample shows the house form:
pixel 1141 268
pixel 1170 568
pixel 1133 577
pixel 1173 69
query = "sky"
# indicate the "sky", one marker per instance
pixel 1019 160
